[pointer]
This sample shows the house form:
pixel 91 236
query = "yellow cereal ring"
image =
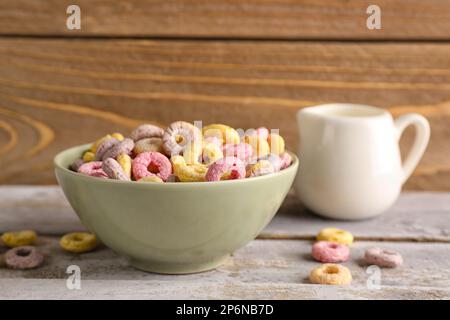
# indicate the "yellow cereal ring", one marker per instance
pixel 211 153
pixel 125 162
pixel 335 235
pixel 19 238
pixel 95 145
pixel 78 242
pixel 192 153
pixel 188 172
pixel 260 146
pixel 330 273
pixel 118 136
pixel 276 143
pixel 88 156
pixel 151 179
pixel 222 132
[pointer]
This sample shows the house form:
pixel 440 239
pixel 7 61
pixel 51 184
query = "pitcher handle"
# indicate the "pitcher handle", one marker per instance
pixel 420 142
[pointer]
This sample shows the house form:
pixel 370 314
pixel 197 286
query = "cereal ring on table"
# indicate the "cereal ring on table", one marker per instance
pixel 93 169
pixel 276 143
pixel 286 160
pixel 151 179
pixel 211 152
pixel 150 164
pixel 330 273
pixel 188 172
pixel 114 170
pixel 243 151
pixel 125 162
pixel 25 257
pixel 146 131
pixel 330 252
pixel 335 235
pixel 224 133
pixel 123 147
pixel 178 136
pixel 76 165
pixel 260 168
pixel 19 238
pixel 78 242
pixel 260 146
pixel 148 145
pixel 104 147
pixel 88 156
pixel 383 257
pixel 231 167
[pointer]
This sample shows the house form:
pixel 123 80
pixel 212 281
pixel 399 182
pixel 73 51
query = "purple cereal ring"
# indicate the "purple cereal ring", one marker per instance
pixel 146 131
pixel 93 169
pixel 104 147
pixel 76 165
pixel 114 170
pixel 242 151
pixel 123 147
pixel 330 252
pixel 179 135
pixel 151 163
pixel 232 165
pixel 25 257
pixel 286 159
pixel 383 258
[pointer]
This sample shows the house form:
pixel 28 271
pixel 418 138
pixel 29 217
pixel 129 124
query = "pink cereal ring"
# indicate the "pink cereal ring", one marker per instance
pixel 286 160
pixel 146 162
pixel 232 165
pixel 114 170
pixel 330 252
pixel 93 169
pixel 242 151
pixel 383 258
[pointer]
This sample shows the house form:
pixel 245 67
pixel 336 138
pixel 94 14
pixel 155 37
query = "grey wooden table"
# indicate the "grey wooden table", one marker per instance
pixel 274 266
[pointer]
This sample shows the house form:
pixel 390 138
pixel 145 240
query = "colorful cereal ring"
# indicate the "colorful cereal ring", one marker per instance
pixel 22 258
pixel 19 238
pixel 158 164
pixel 146 131
pixel 383 257
pixel 178 136
pixel 330 252
pixel 78 242
pixel 188 172
pixel 93 169
pixel 114 170
pixel 232 165
pixel 329 273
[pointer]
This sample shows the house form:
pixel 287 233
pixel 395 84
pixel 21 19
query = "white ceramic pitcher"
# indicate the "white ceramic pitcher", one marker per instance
pixel 350 165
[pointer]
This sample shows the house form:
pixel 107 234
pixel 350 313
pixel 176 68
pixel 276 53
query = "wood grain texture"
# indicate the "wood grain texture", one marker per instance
pixel 58 93
pixel 261 270
pixel 417 216
pixel 282 19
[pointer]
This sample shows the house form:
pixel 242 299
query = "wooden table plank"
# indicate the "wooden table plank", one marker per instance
pixel 50 88
pixel 415 217
pixel 287 19
pixel 263 269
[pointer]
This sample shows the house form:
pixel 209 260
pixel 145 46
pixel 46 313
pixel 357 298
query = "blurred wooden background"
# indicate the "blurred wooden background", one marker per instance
pixel 244 63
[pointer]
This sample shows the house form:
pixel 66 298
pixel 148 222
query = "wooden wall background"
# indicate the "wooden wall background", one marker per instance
pixel 245 63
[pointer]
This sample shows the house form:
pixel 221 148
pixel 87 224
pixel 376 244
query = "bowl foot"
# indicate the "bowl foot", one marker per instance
pixel 177 268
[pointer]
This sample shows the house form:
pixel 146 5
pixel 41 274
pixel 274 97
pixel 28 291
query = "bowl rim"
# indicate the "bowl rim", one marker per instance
pixel 57 159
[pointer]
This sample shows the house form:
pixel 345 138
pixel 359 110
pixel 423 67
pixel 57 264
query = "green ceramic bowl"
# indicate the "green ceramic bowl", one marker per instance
pixel 173 228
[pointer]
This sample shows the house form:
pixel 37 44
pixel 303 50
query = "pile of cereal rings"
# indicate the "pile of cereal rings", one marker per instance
pixel 332 247
pixel 184 153
pixel 24 253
